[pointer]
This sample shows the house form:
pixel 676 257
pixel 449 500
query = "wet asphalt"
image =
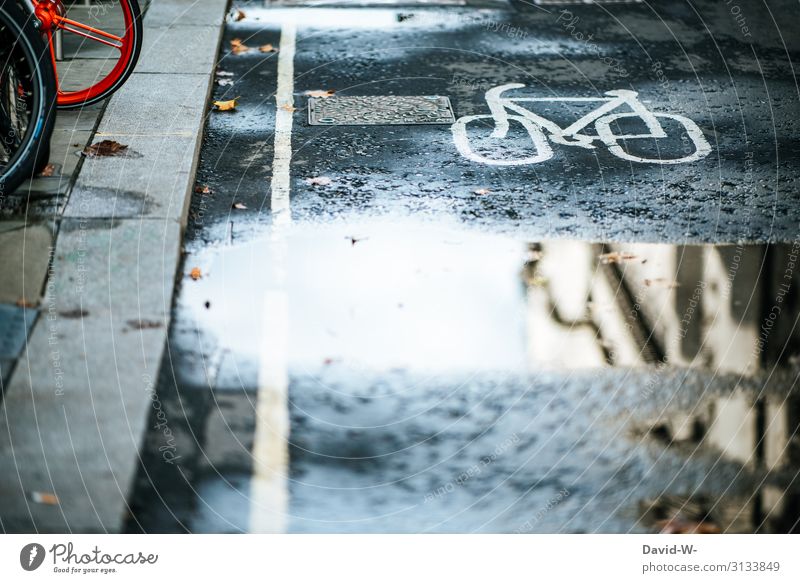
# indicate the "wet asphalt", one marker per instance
pixel 461 358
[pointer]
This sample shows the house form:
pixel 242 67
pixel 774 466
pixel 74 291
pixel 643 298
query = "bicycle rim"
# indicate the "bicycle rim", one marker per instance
pixel 111 33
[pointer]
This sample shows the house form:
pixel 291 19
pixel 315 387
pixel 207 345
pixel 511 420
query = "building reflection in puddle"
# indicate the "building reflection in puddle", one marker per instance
pixel 730 311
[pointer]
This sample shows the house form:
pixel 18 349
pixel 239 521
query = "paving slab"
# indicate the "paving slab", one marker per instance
pixel 178 49
pixel 24 255
pixel 153 180
pixel 186 13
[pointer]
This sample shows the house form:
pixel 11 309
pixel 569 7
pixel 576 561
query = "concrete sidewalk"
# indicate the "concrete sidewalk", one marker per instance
pixel 91 256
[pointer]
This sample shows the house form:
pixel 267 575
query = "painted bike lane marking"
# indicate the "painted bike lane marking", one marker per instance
pixel 269 495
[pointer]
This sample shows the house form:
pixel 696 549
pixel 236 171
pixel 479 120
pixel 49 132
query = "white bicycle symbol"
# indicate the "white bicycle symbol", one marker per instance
pixel 570 136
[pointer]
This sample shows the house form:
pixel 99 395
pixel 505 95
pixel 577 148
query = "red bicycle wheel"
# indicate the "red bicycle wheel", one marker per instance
pixel 100 43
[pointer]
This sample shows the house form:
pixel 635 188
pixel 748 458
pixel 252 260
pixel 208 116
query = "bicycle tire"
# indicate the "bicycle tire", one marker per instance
pixel 26 56
pixel 105 85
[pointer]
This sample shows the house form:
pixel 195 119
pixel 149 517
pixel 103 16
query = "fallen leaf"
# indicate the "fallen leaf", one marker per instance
pixel 323 93
pixel 238 47
pixel 354 240
pixel 207 305
pixel 44 498
pixel 661 282
pixel 48 171
pixel 73 314
pixel 203 189
pixel 616 257
pixel 105 148
pixel 144 324
pixel 239 15
pixel 482 191
pixel 318 181
pixel 229 105
pixel 289 108
pixel 239 206
pixel 195 273
pixel 267 48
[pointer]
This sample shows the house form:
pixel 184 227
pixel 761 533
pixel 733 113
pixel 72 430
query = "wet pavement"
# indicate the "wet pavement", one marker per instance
pixel 464 332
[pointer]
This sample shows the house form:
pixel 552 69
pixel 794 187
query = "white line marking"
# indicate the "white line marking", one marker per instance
pixel 269 484
pixel 284 97
pixel 269 493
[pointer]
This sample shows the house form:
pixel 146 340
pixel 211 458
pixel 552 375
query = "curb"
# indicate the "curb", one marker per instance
pixel 94 351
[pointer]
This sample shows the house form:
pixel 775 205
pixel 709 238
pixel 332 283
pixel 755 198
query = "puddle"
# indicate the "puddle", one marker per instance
pixel 447 380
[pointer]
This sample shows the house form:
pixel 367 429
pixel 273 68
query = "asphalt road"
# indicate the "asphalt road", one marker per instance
pixel 428 320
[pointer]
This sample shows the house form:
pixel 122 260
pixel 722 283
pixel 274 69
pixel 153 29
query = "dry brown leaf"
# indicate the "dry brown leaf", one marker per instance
pixel 267 48
pixel 144 324
pixel 238 47
pixel 229 105
pixel 239 206
pixel 661 282
pixel 239 15
pixel 354 240
pixel 616 257
pixel 47 498
pixel 289 108
pixel 323 93
pixel 24 303
pixel 195 273
pixel 482 191
pixel 318 181
pixel 48 171
pixel 105 148
pixel 203 189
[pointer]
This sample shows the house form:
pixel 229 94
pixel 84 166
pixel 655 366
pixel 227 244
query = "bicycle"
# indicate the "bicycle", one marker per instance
pixel 603 118
pixel 27 97
pixel 35 78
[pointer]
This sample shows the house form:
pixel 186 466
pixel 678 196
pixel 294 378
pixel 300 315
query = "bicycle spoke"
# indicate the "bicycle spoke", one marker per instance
pixel 85 31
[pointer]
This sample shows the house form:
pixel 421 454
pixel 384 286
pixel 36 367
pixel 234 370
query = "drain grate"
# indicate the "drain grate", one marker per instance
pixel 380 110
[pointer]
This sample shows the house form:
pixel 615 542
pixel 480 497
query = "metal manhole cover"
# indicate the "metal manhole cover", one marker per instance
pixel 380 110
